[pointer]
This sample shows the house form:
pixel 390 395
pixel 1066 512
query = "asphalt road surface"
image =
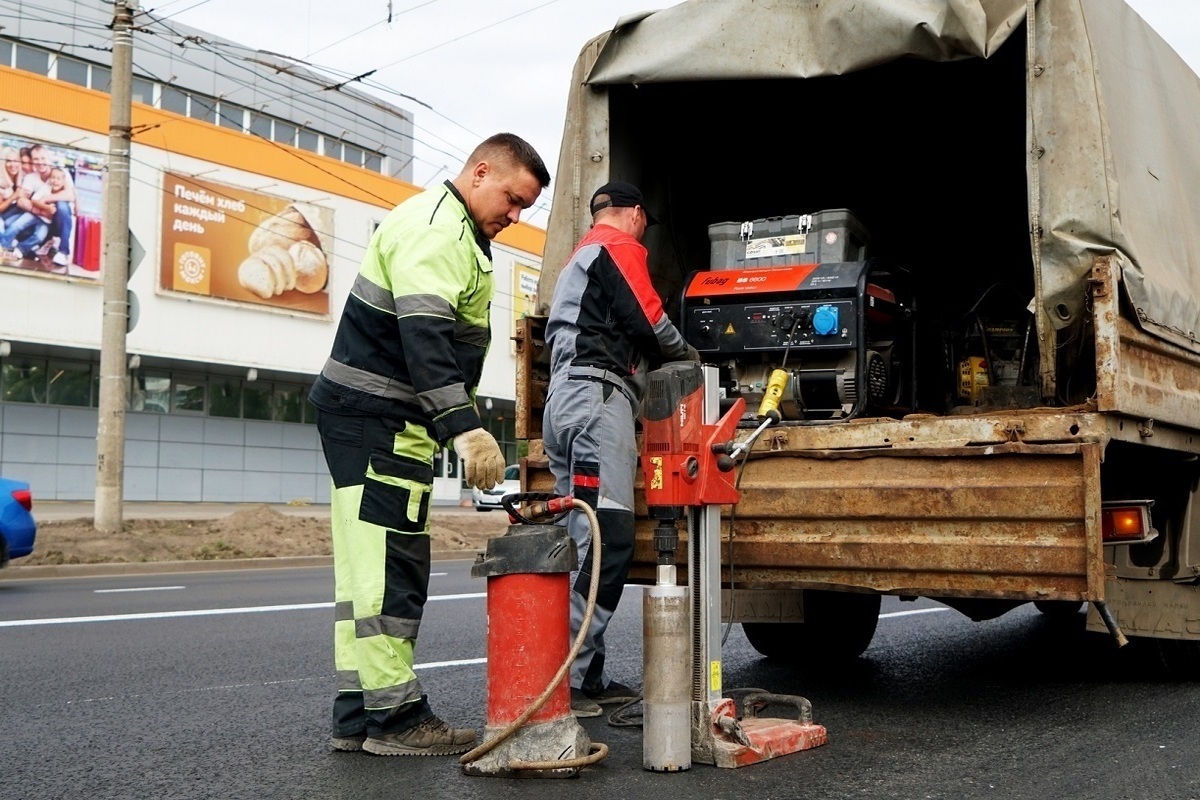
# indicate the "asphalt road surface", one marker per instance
pixel 218 685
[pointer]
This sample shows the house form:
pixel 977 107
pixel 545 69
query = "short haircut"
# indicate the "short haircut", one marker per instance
pixel 514 149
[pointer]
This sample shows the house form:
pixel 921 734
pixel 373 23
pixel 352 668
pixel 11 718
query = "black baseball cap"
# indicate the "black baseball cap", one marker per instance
pixel 619 194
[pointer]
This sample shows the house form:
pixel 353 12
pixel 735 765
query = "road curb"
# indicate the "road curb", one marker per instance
pixel 12 573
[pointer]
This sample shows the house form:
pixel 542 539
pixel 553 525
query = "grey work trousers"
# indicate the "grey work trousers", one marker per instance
pixel 588 433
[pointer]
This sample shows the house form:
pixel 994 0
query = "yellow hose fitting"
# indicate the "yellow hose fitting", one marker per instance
pixel 774 392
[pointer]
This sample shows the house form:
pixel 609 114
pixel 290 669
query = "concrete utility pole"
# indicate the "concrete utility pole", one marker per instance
pixel 114 377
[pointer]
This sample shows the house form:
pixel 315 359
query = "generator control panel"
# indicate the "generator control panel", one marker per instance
pixel 808 307
pixel 738 327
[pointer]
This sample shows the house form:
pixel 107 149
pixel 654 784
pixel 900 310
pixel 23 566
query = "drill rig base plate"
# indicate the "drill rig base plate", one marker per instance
pixel 728 742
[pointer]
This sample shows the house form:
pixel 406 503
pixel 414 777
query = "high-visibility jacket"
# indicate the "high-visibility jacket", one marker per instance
pixel 415 329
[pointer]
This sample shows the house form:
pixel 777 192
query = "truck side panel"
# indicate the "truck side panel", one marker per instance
pixel 1002 522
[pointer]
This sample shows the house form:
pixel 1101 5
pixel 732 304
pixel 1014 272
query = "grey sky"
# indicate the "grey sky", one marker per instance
pixel 483 66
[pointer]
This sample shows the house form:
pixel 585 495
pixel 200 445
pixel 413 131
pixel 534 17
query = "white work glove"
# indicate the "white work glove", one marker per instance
pixel 693 354
pixel 484 462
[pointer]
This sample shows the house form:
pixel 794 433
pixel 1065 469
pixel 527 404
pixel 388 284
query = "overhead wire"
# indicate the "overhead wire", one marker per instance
pixel 537 206
pixel 173 13
pixel 324 109
pixel 301 99
pixel 346 115
pixel 359 77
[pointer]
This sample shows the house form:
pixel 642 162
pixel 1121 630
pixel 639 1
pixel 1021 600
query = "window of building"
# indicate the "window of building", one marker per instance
pixel 374 162
pixel 6 53
pixel 71 71
pixel 352 155
pixel 260 125
pixel 76 383
pixel 309 141
pixel 187 394
pixel 70 384
pixel 31 59
pixel 172 99
pixel 285 132
pixel 224 397
pixel 23 380
pixel 142 91
pixel 101 78
pixel 232 116
pixel 256 401
pixel 204 108
pixel 287 403
pixel 150 392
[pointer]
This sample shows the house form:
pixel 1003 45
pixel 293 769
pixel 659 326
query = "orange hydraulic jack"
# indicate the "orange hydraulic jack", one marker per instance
pixel 688 474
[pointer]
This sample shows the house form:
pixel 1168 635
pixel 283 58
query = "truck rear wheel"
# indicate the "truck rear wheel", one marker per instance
pixel 837 625
pixel 1180 658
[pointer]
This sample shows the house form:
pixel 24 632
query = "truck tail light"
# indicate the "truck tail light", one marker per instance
pixel 1127 522
pixel 24 497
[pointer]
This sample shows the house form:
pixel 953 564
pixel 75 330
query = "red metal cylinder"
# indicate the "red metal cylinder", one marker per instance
pixel 528 640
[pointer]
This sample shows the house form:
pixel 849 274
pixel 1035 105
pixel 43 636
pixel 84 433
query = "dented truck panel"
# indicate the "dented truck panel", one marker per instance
pixel 1004 508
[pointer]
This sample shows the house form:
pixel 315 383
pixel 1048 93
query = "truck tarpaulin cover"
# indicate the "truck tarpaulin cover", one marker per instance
pixel 1113 166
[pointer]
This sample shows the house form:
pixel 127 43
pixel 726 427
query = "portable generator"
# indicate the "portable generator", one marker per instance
pixel 798 293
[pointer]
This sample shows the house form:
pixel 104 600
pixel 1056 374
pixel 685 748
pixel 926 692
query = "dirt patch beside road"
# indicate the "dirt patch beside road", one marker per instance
pixel 255 532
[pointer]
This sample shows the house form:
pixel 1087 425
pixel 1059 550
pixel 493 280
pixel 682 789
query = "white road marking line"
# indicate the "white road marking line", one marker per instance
pixel 203 612
pixel 910 613
pixel 139 589
pixel 464 662
pixel 213 612
pixel 438 574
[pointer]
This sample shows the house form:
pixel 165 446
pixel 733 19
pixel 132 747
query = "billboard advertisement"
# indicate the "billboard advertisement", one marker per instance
pixel 51 202
pixel 232 243
pixel 524 296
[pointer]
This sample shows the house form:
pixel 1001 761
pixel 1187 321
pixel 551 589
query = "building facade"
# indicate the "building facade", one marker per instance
pixel 249 213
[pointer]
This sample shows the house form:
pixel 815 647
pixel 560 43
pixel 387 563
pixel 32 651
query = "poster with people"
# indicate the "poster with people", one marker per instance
pixel 51 202
pixel 231 243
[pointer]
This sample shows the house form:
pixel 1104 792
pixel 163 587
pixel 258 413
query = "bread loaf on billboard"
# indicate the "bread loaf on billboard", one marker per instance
pixel 273 270
pixel 255 275
pixel 285 254
pixel 311 270
pixel 284 229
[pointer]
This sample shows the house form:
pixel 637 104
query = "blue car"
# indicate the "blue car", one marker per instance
pixel 17 527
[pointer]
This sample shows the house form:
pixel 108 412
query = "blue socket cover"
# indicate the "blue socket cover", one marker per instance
pixel 825 320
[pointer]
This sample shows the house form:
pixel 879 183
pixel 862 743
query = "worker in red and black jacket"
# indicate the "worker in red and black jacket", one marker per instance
pixel 606 324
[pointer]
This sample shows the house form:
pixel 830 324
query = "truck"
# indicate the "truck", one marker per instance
pixel 964 232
